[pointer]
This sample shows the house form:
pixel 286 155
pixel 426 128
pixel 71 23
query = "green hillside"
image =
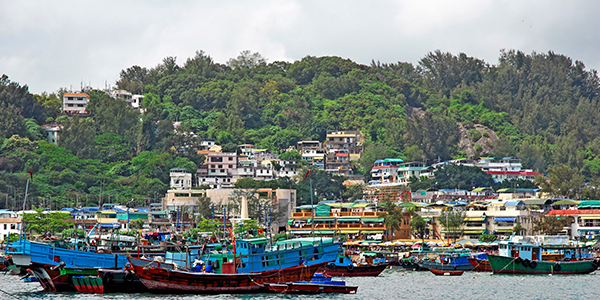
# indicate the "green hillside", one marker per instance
pixel 541 107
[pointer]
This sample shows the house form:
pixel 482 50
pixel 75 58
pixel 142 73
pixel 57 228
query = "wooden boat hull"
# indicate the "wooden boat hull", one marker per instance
pixel 88 284
pixel 509 265
pixel 354 271
pixel 427 264
pixel 480 265
pixel 411 264
pixel 121 281
pixel 446 272
pixel 50 279
pixel 310 288
pixel 162 278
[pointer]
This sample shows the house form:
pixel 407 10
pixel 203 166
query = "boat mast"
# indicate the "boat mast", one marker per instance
pixel 22 235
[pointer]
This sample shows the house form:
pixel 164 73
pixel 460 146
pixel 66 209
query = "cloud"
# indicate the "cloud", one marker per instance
pixel 52 44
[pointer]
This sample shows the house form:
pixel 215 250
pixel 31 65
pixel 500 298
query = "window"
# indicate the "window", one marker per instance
pixel 230 158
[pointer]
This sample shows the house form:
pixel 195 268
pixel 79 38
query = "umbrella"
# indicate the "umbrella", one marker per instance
pixel 431 243
pixel 484 244
pixel 468 244
pixel 388 244
pixel 441 244
pixel 408 243
pixel 415 246
pixel 373 244
pixel 494 243
pixel 399 243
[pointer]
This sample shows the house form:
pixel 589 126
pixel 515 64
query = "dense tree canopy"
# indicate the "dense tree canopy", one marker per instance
pixel 542 107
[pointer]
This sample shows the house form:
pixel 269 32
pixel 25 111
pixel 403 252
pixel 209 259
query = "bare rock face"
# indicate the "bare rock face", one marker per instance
pixel 476 139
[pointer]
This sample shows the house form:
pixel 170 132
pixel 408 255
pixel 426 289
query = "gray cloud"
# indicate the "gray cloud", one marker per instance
pixel 53 44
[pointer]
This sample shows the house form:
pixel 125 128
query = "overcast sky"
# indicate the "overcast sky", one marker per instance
pixel 52 44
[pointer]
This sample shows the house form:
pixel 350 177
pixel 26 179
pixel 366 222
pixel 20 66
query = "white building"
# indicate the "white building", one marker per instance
pixel 9 223
pixel 180 179
pixel 75 103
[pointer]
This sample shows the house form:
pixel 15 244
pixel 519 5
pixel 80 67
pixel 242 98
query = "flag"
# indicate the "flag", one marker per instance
pixel 306 175
pixel 30 175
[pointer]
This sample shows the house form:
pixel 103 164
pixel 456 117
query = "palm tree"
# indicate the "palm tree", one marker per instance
pixel 393 218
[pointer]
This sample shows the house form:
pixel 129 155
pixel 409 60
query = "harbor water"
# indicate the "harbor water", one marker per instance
pixel 391 284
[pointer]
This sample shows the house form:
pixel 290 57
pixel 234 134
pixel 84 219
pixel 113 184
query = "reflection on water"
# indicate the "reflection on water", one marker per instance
pixel 391 284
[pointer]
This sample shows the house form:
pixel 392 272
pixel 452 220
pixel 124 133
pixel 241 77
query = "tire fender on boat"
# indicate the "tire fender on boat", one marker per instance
pixel 129 277
pixel 518 260
pixel 526 262
pixel 533 264
pixel 557 267
pixel 331 265
pixel 107 277
pixel 350 267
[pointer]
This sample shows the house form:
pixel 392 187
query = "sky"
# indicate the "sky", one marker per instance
pixel 48 45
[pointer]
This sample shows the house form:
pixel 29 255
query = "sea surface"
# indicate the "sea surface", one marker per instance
pixel 391 284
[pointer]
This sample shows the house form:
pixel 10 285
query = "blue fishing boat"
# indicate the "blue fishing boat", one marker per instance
pixel 45 261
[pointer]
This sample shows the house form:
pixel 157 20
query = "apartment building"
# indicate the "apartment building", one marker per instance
pixel 75 103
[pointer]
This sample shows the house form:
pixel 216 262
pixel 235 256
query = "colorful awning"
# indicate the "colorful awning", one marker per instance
pixel 474 219
pixel 372 220
pixel 345 219
pixel 505 219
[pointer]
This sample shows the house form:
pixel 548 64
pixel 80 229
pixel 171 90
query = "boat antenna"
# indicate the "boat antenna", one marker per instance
pixel 23 233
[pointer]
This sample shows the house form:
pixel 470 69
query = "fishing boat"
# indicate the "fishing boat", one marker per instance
pixel 410 264
pixel 447 272
pixel 447 258
pixel 167 278
pixel 47 262
pixel 251 264
pixel 480 265
pixel 542 255
pixel 57 278
pixel 121 281
pixel 310 288
pixel 344 267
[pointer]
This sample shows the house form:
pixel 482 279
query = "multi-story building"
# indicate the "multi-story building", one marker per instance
pixel 309 145
pixel 385 170
pixel 218 170
pixel 136 101
pixel 351 141
pixel 338 162
pixel 316 157
pixel 287 168
pixel 409 169
pixel 350 219
pixel 180 179
pixel 75 103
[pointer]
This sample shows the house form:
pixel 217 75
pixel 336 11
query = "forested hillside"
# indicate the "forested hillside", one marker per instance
pixel 541 107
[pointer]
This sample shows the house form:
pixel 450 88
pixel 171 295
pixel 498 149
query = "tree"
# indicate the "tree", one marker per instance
pixel 551 225
pixel 562 181
pixel 487 238
pixel 418 226
pixel 46 224
pixel 453 221
pixel 393 219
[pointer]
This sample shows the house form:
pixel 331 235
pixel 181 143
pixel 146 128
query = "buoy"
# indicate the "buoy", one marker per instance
pixel 402 274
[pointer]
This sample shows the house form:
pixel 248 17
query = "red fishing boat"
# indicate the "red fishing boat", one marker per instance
pixel 161 277
pixel 310 288
pixel 447 272
pixel 480 265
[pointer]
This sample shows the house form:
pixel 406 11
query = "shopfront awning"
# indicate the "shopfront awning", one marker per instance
pixel 590 217
pixel 505 219
pixel 473 231
pixel 300 231
pixel 474 219
pixel 504 230
pixel 325 231
pixel 371 220
pixel 349 231
pixel 324 219
pixel 366 231
pixel 346 219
